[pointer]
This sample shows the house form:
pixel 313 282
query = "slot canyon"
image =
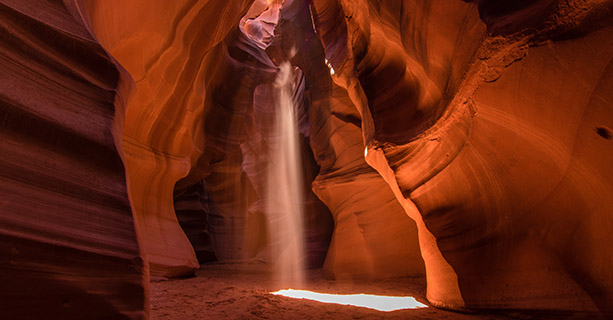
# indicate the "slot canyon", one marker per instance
pixel 186 159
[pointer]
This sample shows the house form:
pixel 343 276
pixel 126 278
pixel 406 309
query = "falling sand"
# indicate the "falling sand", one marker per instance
pixel 284 199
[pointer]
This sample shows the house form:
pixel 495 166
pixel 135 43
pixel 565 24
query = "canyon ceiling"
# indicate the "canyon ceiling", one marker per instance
pixel 469 141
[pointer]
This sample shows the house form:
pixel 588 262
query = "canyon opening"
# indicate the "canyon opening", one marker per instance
pixel 306 159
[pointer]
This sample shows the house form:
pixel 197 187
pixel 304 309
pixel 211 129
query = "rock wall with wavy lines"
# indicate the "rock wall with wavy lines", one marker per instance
pixel 68 244
pixel 490 123
pixel 467 139
pixel 373 237
pixel 172 51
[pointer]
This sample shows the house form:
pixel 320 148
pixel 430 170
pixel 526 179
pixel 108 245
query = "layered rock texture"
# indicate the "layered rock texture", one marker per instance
pixel 68 244
pixel 373 237
pixel 172 52
pixel 467 140
pixel 493 138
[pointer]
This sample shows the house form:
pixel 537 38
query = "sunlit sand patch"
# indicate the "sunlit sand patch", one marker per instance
pixel 377 302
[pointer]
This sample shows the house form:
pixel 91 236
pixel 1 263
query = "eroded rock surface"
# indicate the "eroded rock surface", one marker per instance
pixel 68 245
pixel 467 139
pixel 373 237
pixel 493 154
pixel 171 50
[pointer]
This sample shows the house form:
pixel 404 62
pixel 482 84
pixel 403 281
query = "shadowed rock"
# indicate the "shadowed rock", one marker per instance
pixel 69 247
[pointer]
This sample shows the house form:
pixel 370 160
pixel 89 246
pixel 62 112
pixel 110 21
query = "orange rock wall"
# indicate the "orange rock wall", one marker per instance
pixel 470 140
pixel 493 140
pixel 373 237
pixel 166 47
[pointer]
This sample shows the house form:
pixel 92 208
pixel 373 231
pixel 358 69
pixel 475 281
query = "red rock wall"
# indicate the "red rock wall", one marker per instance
pixel 373 237
pixel 68 245
pixel 499 156
pixel 193 206
pixel 238 128
pixel 487 123
pixel 544 208
pixel 170 50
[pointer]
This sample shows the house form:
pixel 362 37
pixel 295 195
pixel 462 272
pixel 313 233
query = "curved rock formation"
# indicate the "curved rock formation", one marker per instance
pixel 498 169
pixel 405 87
pixel 170 52
pixel 238 126
pixel 373 237
pixel 193 206
pixel 467 139
pixel 69 247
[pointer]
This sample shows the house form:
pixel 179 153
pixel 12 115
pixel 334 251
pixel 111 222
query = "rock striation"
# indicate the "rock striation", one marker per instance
pixel 470 140
pixel 171 52
pixel 68 244
pixel 193 207
pixel 373 237
pixel 484 121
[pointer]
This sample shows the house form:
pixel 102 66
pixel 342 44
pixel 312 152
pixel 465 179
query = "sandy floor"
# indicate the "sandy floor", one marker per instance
pixel 237 291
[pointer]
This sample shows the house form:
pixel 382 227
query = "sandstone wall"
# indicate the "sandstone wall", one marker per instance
pixel 170 49
pixel 68 245
pixel 490 123
pixel 467 139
